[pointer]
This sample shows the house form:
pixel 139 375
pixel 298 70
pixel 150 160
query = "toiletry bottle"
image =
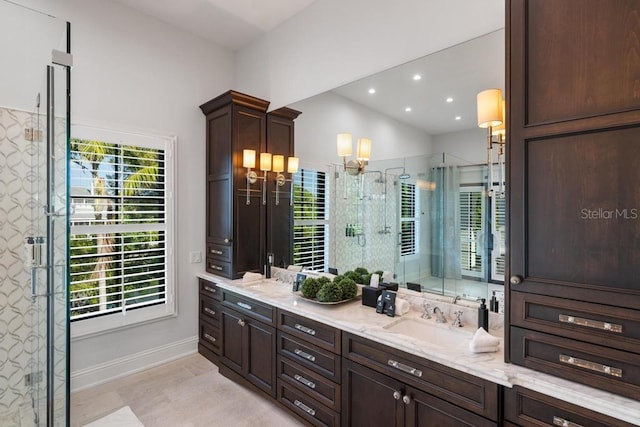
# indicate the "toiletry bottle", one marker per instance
pixel 483 316
pixel 493 303
pixel 267 273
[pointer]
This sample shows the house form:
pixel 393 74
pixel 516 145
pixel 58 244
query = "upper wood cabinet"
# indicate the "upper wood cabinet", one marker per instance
pixel 280 140
pixel 235 230
pixel 573 135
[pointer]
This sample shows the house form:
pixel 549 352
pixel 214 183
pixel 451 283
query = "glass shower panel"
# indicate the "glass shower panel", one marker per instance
pixel 33 136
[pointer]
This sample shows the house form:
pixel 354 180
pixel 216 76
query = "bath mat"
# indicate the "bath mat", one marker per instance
pixel 123 417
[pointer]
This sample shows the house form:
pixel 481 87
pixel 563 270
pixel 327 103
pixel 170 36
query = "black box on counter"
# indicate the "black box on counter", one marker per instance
pixel 370 295
pixel 389 286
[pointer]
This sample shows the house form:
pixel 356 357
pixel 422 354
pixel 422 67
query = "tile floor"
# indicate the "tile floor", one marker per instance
pixel 188 392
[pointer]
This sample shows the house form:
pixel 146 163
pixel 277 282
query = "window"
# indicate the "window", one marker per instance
pixel 498 228
pixel 472 231
pixel 121 229
pixel 310 220
pixel 408 219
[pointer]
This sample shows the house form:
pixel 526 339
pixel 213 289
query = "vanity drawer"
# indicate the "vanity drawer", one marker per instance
pixel 219 252
pixel 309 409
pixel 209 310
pixel 210 289
pixel 218 267
pixel 601 367
pixel 462 389
pixel 314 332
pixel 531 409
pixel 313 384
pixel 313 357
pixel 595 323
pixel 210 336
pixel 252 308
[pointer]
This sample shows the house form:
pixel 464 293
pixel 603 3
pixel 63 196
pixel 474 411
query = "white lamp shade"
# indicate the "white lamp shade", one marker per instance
pixel 249 159
pixel 489 108
pixel 265 161
pixel 364 149
pixel 344 145
pixel 278 163
pixel 292 164
pixel 502 128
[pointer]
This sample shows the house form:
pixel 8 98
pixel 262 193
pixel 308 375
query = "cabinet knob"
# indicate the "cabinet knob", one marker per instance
pixel 406 399
pixel 397 395
pixel 227 240
pixel 241 322
pixel 515 280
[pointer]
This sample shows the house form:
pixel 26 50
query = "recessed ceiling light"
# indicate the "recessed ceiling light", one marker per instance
pixel 372 91
pixel 458 118
pixel 417 77
pixel 408 109
pixel 449 99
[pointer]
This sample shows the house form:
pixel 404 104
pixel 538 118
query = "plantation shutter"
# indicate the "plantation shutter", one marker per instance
pixel 309 218
pixel 407 219
pixel 471 231
pixel 498 222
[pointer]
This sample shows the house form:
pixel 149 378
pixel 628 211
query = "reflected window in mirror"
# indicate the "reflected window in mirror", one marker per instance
pixel 310 220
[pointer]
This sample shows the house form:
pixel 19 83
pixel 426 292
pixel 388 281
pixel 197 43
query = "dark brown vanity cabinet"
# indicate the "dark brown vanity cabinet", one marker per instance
pixel 235 220
pixel 573 137
pixel 384 386
pixel 280 140
pixel 249 340
pixel 209 337
pixel 528 408
pixel 309 373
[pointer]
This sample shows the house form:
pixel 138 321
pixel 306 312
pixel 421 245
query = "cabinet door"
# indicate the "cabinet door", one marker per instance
pixel 233 349
pixel 574 144
pixel 425 410
pixel 370 398
pixel 219 176
pixel 261 354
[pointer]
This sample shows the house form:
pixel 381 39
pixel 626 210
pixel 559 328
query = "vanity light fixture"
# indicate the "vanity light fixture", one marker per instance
pixel 268 163
pixel 491 116
pixel 345 149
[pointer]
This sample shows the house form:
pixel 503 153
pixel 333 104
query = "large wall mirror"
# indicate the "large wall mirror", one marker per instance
pixel 420 209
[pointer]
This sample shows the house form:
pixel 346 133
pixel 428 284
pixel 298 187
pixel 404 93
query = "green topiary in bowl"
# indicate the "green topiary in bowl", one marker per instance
pixel 330 292
pixel 310 287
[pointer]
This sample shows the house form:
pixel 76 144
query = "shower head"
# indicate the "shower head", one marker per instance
pixel 404 175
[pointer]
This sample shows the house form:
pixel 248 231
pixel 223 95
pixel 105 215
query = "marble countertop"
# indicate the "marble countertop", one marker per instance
pixel 363 321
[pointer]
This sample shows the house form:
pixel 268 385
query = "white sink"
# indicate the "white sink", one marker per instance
pixel 440 335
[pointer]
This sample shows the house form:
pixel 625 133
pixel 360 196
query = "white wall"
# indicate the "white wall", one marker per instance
pixel 132 72
pixel 324 116
pixel 334 42
pixel 469 145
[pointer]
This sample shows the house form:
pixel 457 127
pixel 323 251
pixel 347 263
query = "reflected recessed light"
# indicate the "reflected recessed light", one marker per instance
pixel 408 109
pixel 417 77
pixel 372 91
pixel 449 99
pixel 458 118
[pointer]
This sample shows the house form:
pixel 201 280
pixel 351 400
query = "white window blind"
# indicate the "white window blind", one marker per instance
pixel 120 225
pixel 498 228
pixel 472 231
pixel 309 219
pixel 407 219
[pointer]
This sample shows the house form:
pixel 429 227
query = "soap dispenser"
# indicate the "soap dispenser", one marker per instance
pixel 483 316
pixel 267 273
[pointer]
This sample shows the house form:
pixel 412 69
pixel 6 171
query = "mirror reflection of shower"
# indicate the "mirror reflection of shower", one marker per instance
pixel 403 176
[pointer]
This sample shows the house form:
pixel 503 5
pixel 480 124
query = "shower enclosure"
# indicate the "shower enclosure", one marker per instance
pixel 34 133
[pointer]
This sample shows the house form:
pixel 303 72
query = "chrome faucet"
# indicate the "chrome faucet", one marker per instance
pixel 456 299
pixel 427 311
pixel 439 315
pixel 458 322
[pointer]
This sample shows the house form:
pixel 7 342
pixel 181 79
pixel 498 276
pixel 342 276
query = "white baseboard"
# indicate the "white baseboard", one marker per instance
pixel 131 364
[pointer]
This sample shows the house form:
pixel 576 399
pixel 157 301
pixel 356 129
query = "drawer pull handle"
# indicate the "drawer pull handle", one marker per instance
pixel 216 252
pixel 241 322
pixel 244 305
pixel 216 267
pixel 307 356
pixel 212 290
pixel 304 381
pixel 405 368
pixel 603 369
pixel 561 422
pixel 595 324
pixel 209 337
pixel 208 310
pixel 304 407
pixel 305 329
